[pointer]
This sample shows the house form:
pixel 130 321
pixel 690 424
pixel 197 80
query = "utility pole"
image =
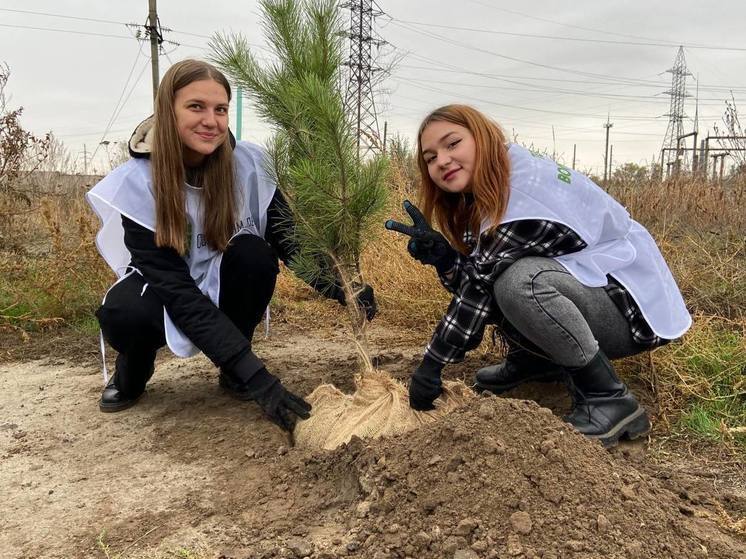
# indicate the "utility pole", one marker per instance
pixel 702 159
pixel 695 158
pixel 574 149
pixel 153 30
pixel 611 159
pixel 607 125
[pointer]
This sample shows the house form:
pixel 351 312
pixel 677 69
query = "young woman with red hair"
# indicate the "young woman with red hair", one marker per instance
pixel 567 276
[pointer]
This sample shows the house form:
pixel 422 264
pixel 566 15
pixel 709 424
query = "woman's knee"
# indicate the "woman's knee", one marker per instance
pixel 251 255
pixel 130 314
pixel 514 288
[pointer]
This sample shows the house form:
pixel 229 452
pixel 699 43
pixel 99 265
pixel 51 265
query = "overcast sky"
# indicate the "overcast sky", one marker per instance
pixel 548 75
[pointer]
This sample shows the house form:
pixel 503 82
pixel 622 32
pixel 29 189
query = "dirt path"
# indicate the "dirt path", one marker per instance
pixel 190 472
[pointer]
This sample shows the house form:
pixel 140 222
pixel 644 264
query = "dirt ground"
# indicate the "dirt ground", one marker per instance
pixel 190 472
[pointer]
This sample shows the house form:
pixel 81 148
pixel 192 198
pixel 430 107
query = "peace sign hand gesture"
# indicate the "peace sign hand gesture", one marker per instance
pixel 426 245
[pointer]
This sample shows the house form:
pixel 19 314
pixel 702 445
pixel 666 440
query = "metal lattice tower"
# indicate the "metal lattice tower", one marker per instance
pixel 669 152
pixel 359 98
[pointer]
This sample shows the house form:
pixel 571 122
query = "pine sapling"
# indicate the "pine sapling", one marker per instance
pixel 336 198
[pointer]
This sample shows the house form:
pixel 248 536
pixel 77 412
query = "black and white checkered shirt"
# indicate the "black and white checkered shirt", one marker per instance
pixel 472 278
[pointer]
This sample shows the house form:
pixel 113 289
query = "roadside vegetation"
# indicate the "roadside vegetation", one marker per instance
pixel 52 279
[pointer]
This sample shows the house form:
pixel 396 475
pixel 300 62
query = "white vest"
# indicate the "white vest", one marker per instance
pixel 616 244
pixel 128 191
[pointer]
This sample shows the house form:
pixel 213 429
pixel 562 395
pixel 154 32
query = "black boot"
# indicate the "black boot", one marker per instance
pixel 519 366
pixel 603 407
pixel 113 398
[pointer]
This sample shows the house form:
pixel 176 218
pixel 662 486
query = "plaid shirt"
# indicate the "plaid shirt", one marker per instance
pixel 472 278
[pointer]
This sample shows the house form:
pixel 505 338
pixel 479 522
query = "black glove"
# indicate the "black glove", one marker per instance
pixel 279 404
pixel 425 385
pixel 426 245
pixel 365 299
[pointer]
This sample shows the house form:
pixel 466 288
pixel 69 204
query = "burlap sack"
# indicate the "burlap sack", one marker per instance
pixel 378 407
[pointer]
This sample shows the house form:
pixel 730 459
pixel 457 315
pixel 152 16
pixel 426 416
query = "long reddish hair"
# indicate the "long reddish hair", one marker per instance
pixel 490 182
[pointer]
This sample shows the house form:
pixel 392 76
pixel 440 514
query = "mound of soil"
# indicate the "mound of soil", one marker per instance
pixel 505 478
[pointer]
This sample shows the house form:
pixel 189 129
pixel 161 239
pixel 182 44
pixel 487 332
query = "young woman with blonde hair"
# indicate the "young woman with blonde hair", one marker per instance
pixel 193 227
pixel 568 277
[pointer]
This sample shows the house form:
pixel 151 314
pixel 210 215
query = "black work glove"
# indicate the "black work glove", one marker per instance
pixel 426 245
pixel 425 385
pixel 279 404
pixel 365 299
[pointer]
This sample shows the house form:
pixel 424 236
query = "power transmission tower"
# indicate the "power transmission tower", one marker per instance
pixel 669 151
pixel 362 69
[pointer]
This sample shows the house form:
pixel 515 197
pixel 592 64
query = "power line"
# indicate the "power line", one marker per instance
pixel 108 21
pixel 132 89
pixel 537 89
pixel 63 16
pixel 120 105
pixel 419 85
pixel 554 22
pixel 96 133
pixel 439 63
pixel 517 107
pixel 440 67
pixel 491 76
pixel 66 31
pixel 615 80
pixel 561 38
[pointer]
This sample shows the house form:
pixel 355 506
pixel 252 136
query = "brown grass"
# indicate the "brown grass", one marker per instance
pixel 51 275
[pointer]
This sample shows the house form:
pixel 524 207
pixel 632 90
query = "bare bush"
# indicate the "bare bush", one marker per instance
pixel 734 131
pixel 21 153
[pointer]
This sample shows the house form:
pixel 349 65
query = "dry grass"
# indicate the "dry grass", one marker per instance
pixel 50 274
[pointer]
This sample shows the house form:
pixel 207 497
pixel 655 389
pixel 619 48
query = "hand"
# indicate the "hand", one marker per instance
pixel 279 404
pixel 426 245
pixel 425 385
pixel 366 300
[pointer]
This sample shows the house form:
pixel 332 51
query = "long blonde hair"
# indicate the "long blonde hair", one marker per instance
pixel 169 173
pixel 490 180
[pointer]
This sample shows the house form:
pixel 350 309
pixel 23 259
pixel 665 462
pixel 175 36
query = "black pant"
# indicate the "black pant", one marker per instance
pixel 132 321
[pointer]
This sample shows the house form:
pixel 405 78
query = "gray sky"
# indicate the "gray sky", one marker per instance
pixel 599 58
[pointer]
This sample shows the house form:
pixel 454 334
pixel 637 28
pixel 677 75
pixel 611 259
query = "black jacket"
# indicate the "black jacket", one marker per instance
pixel 167 274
